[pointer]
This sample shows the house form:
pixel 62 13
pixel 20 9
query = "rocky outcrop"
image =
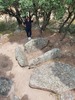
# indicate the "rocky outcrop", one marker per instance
pixel 45 57
pixel 21 57
pixel 57 77
pixel 35 44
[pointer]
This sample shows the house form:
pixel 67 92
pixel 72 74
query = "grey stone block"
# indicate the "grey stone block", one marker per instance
pixel 35 44
pixel 45 57
pixel 21 57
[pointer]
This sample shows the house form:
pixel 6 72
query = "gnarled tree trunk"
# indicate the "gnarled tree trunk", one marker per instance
pixel 67 28
pixel 46 20
pixel 15 14
pixel 69 16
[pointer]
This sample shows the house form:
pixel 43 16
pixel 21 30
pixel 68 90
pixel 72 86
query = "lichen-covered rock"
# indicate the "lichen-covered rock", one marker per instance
pixel 45 57
pixel 35 44
pixel 57 77
pixel 21 57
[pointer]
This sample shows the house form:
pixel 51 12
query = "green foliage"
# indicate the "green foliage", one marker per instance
pixel 49 4
pixel 60 12
pixel 59 7
pixel 71 5
pixel 68 1
pixel 7 26
pixel 25 6
pixel 5 4
pixel 45 5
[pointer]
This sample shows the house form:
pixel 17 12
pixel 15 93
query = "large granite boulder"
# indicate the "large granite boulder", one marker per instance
pixel 57 77
pixel 35 44
pixel 21 57
pixel 45 57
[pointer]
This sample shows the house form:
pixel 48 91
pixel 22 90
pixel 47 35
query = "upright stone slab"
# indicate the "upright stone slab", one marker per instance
pixel 57 77
pixel 35 44
pixel 45 57
pixel 6 89
pixel 21 57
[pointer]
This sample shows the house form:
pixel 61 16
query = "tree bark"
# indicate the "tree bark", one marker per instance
pixel 69 16
pixel 71 22
pixel 14 14
pixel 37 18
pixel 67 28
pixel 46 20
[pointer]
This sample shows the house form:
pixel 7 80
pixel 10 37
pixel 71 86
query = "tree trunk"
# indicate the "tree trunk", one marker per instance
pixel 69 16
pixel 67 28
pixel 46 20
pixel 16 15
pixel 71 22
pixel 37 18
pixel 64 35
pixel 19 20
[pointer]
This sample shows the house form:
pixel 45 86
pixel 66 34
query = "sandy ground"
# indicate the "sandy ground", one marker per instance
pixel 19 75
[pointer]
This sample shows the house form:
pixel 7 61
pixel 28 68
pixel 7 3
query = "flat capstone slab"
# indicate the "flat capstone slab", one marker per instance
pixel 34 44
pixel 5 86
pixel 57 77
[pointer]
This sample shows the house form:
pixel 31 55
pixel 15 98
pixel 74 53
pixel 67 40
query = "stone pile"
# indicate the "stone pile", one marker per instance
pixel 34 45
pixel 54 76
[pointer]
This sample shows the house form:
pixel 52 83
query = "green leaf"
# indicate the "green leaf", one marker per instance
pixel 69 1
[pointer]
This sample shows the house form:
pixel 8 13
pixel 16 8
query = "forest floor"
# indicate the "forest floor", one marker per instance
pixel 10 68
